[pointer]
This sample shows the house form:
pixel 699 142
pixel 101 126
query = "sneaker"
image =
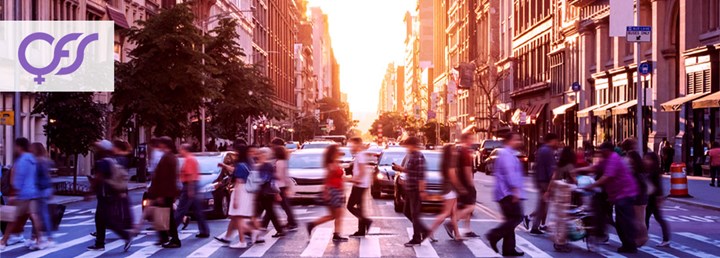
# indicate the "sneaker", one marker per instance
pixel 95 248
pixel 14 239
pixel 526 222
pixel 186 222
pixel 664 244
pixel 171 245
pixel 93 234
pixel 38 246
pixel 278 234
pixel 338 238
pixel 358 234
pixel 543 228
pixel 536 232
pixel 222 240
pixel 471 234
pixel 513 254
pixel 238 245
pixel 449 229
pixel 412 243
pixel 127 245
pixel 202 235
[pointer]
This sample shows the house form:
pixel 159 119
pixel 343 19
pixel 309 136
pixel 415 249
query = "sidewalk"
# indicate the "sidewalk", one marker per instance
pixel 703 195
pixel 65 199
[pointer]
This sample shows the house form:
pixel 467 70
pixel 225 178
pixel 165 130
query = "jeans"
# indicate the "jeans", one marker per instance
pixel 412 212
pixel 265 202
pixel 355 206
pixel 186 203
pixel 540 213
pixel 172 234
pixel 285 204
pixel 105 218
pixel 506 231
pixel 714 173
pixel 653 209
pixel 44 212
pixel 625 222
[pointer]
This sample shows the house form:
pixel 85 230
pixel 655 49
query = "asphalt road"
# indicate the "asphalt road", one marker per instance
pixel 696 233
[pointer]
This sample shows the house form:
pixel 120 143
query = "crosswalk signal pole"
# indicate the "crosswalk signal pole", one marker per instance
pixel 640 127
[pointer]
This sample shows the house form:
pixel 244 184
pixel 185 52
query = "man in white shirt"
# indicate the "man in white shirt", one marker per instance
pixel 361 181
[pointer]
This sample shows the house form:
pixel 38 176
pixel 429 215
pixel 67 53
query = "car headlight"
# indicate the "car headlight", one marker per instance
pixel 208 188
pixel 380 176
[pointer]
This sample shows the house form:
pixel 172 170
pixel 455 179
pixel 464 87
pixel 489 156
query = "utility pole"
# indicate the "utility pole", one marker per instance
pixel 17 107
pixel 640 127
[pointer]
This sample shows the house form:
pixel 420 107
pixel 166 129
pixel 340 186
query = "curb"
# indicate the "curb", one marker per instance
pixel 74 199
pixel 693 203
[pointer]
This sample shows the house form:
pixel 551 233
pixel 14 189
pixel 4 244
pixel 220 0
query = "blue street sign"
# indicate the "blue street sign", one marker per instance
pixel 576 86
pixel 644 68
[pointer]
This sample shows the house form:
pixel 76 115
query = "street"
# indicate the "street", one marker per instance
pixel 695 232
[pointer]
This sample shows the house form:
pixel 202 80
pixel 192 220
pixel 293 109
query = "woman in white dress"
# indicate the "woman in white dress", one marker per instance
pixel 242 202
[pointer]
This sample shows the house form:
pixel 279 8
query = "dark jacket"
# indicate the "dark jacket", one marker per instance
pixel 544 164
pixel 164 182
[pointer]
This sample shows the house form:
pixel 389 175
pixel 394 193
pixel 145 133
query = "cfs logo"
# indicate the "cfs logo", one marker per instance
pixel 59 52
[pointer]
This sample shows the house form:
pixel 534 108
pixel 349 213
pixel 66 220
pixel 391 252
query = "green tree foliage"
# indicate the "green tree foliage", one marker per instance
pixel 165 80
pixel 244 92
pixel 390 121
pixel 430 131
pixel 337 111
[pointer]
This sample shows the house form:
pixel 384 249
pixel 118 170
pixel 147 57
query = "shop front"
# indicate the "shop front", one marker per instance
pixel 565 122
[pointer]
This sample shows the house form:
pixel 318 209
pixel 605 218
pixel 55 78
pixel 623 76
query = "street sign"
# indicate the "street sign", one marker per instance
pixel 7 118
pixel 638 34
pixel 644 68
pixel 523 118
pixel 576 86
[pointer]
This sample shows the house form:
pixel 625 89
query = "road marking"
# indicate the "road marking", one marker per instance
pixel 258 250
pixel 530 190
pixel 479 248
pixel 649 250
pixel 58 247
pixel 370 245
pixel 68 211
pixel 208 249
pixel 152 249
pixel 318 243
pixel 84 223
pixel 598 250
pixel 425 249
pixel 22 244
pixel 530 249
pixel 79 217
pixel 684 248
pixel 108 247
pixel 397 218
pixel 700 238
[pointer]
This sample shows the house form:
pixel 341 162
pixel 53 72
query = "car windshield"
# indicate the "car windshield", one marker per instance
pixel 388 158
pixel 491 144
pixel 316 145
pixel 432 161
pixel 208 165
pixel 305 161
pixel 347 154
pixel 291 146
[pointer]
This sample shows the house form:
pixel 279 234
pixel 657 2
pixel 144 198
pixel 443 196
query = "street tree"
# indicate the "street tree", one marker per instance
pixel 489 89
pixel 430 130
pixel 75 122
pixel 168 75
pixel 338 111
pixel 244 92
pixel 391 122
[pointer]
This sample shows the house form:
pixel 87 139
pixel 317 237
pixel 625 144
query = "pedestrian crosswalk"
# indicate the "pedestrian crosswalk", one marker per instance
pixel 375 244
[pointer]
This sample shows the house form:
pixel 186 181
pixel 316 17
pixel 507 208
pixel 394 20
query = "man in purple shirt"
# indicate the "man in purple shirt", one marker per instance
pixel 619 184
pixel 508 192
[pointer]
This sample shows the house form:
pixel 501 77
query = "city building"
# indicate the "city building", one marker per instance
pixel 490 95
pixel 282 34
pixel 418 58
pixel 439 59
pixel 400 88
pixel 322 52
pixel 306 89
pixel 388 91
pixel 461 48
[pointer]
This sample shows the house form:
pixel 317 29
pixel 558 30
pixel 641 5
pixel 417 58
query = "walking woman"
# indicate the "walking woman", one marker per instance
pixel 242 202
pixel 656 197
pixel 283 181
pixel 451 187
pixel 559 191
pixel 268 195
pixel 333 195
pixel 641 200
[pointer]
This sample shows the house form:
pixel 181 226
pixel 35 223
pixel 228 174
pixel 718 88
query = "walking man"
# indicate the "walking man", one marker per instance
pixel 508 193
pixel 163 189
pixel 361 182
pixel 466 200
pixel 189 177
pixel 621 188
pixel 544 168
pixel 414 169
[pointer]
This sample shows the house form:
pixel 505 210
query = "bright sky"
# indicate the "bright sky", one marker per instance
pixel 366 36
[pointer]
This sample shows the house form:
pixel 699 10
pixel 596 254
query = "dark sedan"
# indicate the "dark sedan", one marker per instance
pixel 483 152
pixel 433 183
pixel 383 175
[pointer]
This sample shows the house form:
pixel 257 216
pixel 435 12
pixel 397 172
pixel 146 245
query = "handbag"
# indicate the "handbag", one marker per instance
pixel 56 214
pixel 161 218
pixel 8 213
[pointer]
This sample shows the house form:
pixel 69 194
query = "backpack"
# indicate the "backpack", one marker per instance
pixel 43 174
pixel 254 181
pixel 119 176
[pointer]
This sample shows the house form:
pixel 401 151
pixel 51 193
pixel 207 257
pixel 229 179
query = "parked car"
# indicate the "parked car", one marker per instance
pixel 347 158
pixel 317 144
pixel 433 183
pixel 483 152
pixel 215 183
pixel 490 161
pixel 383 176
pixel 306 171
pixel 292 146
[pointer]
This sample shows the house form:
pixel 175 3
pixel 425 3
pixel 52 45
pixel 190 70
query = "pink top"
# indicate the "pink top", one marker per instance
pixel 714 157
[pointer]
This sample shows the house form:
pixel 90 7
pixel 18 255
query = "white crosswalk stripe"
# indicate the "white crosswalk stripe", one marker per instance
pixel 208 249
pixel 370 244
pixel 151 249
pixel 646 249
pixel 425 249
pixel 683 248
pixel 479 248
pixel 598 249
pixel 258 250
pixel 18 245
pixel 108 247
pixel 530 249
pixel 700 238
pixel 58 247
pixel 318 243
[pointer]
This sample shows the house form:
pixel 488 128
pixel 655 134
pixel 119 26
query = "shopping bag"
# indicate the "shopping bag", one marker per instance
pixel 57 211
pixel 161 218
pixel 8 213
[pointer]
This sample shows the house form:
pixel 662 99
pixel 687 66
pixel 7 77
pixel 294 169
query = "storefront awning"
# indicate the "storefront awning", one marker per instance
pixel 709 101
pixel 563 108
pixel 624 108
pixel 469 129
pixel 675 104
pixel 118 17
pixel 531 114
pixel 602 110
pixel 586 111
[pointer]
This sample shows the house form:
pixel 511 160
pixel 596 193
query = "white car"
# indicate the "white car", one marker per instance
pixel 306 171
